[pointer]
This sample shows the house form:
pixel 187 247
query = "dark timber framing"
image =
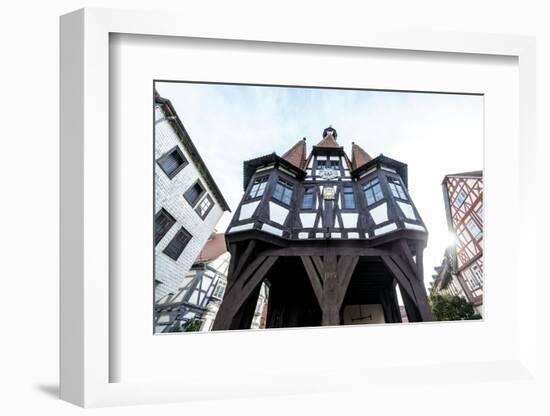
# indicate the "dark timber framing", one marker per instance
pixel 323 258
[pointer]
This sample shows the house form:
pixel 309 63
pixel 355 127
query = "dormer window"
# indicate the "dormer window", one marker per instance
pixel 283 191
pixel 396 188
pixel 373 191
pixel 258 187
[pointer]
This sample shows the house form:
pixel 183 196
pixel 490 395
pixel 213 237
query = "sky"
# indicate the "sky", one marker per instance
pixel 434 134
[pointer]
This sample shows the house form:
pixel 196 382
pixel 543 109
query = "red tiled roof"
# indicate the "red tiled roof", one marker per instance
pixel 358 156
pixel 328 141
pixel 297 154
pixel 214 248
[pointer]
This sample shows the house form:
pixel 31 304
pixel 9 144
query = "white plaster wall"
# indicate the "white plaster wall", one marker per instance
pixel 277 213
pixel 247 210
pixel 241 228
pixel 380 213
pixel 407 210
pixel 308 219
pixel 169 195
pixel 350 220
pixel 414 227
pixel 385 229
pixel 272 230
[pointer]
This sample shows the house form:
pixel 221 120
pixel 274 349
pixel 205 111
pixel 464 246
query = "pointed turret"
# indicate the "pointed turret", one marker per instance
pixel 358 156
pixel 297 154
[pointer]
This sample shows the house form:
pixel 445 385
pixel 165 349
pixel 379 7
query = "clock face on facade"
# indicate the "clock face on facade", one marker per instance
pixel 328 173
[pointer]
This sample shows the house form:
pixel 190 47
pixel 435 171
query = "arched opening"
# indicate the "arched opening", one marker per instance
pixel 292 301
pixel 371 295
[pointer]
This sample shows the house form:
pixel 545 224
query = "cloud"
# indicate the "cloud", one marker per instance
pixel 435 134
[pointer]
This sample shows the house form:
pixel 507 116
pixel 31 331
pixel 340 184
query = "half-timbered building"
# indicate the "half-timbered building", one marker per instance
pixel 463 265
pixel 332 236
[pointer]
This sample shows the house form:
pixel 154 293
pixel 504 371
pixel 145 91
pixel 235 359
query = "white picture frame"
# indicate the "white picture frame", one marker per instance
pixel 86 354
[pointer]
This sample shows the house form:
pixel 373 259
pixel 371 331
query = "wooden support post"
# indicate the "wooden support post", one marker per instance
pixel 241 290
pixel 331 292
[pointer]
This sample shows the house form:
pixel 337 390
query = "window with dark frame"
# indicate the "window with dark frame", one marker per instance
pixel 176 246
pixel 193 194
pixel 163 222
pixel 397 188
pixel 172 162
pixel 258 187
pixel 373 191
pixel 307 202
pixel 205 206
pixel 283 191
pixel 335 164
pixel 349 197
pixel 321 164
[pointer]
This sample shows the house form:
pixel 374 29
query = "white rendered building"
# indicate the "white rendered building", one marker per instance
pixel 188 203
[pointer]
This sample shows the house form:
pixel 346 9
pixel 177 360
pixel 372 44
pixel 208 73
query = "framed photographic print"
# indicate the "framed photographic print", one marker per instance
pixel 286 207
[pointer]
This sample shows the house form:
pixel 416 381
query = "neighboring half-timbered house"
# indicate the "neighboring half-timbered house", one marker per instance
pixel 195 303
pixel 463 197
pixel 333 237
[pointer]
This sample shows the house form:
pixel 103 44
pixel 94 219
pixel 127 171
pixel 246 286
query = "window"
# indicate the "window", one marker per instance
pixel 163 222
pixel 178 243
pixel 283 191
pixel 205 206
pixel 335 164
pixel 258 187
pixel 349 198
pixel 321 164
pixel 219 290
pixel 396 188
pixel 474 229
pixel 307 202
pixel 460 198
pixel 193 194
pixel 373 191
pixel 480 212
pixel 172 162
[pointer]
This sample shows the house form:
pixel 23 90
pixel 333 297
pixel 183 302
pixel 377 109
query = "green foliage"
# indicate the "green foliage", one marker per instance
pixel 447 307
pixel 192 325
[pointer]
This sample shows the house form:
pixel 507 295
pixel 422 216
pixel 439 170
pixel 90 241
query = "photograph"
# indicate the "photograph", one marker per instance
pixel 285 206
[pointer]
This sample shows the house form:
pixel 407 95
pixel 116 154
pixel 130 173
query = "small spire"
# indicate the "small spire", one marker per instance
pixel 330 130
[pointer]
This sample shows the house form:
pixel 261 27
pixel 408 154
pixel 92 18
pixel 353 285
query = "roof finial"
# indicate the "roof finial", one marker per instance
pixel 330 130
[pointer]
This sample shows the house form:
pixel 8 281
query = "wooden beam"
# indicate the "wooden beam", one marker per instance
pixel 331 293
pixel 318 262
pixel 314 278
pixel 401 278
pixel 239 293
pixel 407 255
pixel 346 267
pixel 315 251
pixel 243 258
